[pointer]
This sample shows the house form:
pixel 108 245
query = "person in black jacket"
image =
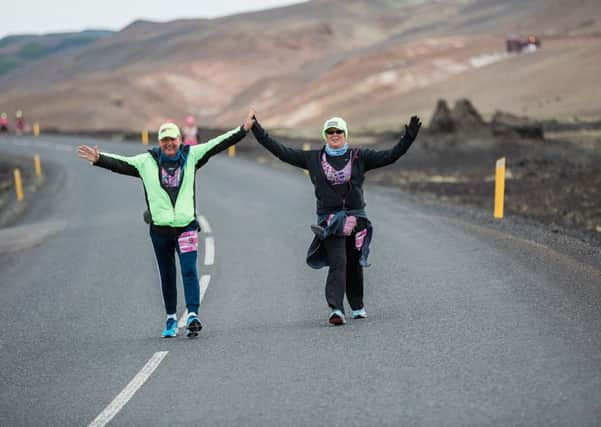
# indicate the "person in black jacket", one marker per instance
pixel 343 231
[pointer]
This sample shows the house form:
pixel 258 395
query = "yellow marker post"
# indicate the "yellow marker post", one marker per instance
pixel 306 147
pixel 500 188
pixel 145 137
pixel 18 185
pixel 231 151
pixel 36 129
pixel 38 165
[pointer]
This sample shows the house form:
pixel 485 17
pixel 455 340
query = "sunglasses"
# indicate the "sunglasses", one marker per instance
pixel 334 131
pixel 167 139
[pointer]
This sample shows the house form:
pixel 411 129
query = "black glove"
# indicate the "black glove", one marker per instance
pixel 412 130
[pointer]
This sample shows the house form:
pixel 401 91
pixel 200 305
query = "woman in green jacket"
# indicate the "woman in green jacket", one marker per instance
pixel 168 175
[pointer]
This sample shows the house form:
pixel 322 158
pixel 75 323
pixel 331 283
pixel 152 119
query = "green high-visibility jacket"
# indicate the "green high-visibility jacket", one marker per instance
pixel 162 210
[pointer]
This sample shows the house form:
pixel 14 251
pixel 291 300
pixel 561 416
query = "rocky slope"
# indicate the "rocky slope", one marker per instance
pixel 373 62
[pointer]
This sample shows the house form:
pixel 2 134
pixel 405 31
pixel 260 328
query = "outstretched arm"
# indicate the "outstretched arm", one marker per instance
pixel 203 152
pixel 292 156
pixel 107 161
pixel 376 159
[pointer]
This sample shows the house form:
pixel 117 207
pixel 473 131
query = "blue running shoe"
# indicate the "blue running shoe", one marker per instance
pixel 170 330
pixel 359 314
pixel 193 326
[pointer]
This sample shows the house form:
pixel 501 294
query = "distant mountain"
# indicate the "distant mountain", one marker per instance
pixel 372 61
pixel 17 50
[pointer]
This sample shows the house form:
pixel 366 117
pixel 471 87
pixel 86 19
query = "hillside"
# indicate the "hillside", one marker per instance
pixel 374 62
pixel 19 50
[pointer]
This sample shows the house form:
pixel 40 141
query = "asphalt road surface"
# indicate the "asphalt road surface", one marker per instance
pixel 468 326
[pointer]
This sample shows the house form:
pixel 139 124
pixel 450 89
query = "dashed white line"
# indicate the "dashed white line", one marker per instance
pixel 204 224
pixel 134 385
pixel 127 393
pixel 209 251
pixel 204 284
pixel 182 320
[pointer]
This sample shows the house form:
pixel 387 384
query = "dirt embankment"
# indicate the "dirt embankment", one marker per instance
pixel 553 179
pixel 10 208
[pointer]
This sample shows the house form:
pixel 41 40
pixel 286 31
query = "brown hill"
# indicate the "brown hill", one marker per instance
pixel 373 62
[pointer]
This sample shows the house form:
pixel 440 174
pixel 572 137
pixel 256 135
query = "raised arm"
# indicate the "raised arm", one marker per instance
pixel 376 159
pixel 203 152
pixel 119 164
pixel 289 155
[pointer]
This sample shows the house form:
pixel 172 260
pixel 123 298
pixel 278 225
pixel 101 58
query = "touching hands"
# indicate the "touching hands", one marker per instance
pixel 88 153
pixel 250 119
pixel 412 130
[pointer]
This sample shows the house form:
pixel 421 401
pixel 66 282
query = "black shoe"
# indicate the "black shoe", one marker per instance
pixel 193 326
pixel 319 231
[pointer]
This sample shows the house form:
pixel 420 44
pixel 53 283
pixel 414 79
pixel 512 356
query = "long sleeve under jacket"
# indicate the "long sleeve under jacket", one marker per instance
pixel 162 210
pixel 328 200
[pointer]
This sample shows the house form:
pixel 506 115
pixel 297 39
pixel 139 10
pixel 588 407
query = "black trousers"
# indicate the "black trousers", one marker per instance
pixel 345 274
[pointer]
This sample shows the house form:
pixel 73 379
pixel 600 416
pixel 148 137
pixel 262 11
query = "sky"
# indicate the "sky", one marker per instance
pixel 51 16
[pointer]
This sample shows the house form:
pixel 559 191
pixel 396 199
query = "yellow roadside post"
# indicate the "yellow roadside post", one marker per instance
pixel 306 147
pixel 36 129
pixel 18 185
pixel 231 151
pixel 145 137
pixel 500 188
pixel 38 165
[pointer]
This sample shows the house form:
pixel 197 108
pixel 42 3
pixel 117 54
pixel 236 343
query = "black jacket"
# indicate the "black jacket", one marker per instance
pixel 328 199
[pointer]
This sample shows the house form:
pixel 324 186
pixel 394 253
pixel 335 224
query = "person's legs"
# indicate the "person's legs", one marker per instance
pixel 187 249
pixel 188 254
pixel 354 275
pixel 335 283
pixel 164 250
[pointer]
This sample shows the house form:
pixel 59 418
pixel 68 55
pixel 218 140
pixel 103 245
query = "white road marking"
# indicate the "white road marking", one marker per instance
pixel 127 393
pixel 210 251
pixel 204 284
pixel 182 321
pixel 204 224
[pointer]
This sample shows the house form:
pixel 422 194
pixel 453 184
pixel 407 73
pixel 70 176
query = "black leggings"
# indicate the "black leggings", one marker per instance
pixel 345 274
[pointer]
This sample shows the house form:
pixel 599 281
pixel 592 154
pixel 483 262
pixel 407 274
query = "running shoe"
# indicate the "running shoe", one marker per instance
pixel 170 330
pixel 336 318
pixel 193 326
pixel 359 314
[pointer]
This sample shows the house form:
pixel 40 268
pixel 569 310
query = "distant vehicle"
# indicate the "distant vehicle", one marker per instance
pixel 530 44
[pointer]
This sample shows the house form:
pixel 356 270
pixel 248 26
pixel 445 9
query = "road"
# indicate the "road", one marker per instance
pixel 467 325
